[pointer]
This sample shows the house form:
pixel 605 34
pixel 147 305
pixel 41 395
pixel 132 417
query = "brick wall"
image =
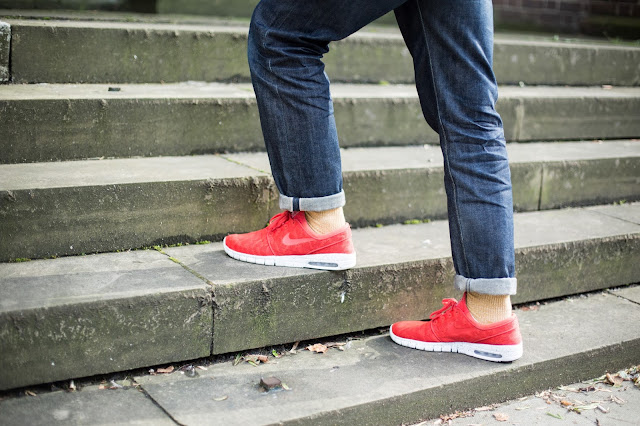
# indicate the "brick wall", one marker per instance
pixel 569 16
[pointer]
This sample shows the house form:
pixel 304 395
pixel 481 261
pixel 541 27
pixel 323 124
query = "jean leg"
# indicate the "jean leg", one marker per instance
pixel 451 42
pixel 287 39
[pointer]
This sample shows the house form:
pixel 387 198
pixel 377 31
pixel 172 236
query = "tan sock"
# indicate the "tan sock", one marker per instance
pixel 326 221
pixel 487 308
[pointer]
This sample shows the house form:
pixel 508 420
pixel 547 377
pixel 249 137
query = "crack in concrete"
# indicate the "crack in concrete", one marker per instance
pixel 157 404
pixel 212 295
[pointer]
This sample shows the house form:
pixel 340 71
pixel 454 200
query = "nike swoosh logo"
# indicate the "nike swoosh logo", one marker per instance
pixel 288 241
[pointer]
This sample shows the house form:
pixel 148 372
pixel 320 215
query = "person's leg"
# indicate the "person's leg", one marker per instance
pixel 287 40
pixel 451 42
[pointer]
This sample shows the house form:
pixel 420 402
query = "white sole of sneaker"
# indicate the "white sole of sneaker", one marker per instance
pixel 495 353
pixel 331 261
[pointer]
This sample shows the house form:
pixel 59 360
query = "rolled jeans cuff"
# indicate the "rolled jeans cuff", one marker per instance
pixel 492 286
pixel 316 204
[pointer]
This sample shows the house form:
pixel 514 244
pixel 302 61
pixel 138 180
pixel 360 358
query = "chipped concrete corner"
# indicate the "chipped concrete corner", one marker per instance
pixel 5 44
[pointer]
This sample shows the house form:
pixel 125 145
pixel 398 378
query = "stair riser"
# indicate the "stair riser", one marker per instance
pixel 154 54
pixel 41 223
pixel 83 338
pixel 52 130
pixel 380 295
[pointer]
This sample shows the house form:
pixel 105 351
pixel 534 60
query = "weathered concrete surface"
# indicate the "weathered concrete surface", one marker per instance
pixel 402 273
pixel 153 52
pixel 104 205
pixel 5 45
pixel 63 122
pixel 533 410
pixel 81 316
pixel 100 205
pixel 204 7
pixel 73 4
pixel 625 211
pixel 377 382
pixel 630 293
pixel 88 406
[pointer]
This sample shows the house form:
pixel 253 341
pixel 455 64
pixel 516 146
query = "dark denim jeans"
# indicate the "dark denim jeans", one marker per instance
pixel 451 42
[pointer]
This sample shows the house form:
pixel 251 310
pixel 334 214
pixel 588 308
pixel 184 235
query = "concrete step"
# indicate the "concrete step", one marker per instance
pixel 64 122
pixel 373 381
pixel 87 315
pixel 70 208
pixel 148 51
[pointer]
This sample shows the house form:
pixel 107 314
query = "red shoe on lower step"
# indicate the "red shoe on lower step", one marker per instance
pixel 453 329
pixel 289 241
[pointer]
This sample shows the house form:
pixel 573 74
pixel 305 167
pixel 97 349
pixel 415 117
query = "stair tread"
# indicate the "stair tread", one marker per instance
pixel 201 167
pixel 205 90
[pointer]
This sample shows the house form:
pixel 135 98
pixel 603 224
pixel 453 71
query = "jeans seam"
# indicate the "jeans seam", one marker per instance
pixel 446 140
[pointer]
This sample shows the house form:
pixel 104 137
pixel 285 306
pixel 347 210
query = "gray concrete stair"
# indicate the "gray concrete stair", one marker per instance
pixel 86 315
pixel 54 122
pixel 373 381
pixel 148 51
pixel 77 207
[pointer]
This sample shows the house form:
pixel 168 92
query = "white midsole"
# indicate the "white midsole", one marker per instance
pixel 495 353
pixel 328 261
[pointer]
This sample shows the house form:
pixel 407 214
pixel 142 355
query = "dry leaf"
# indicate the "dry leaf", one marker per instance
pixel 222 398
pixel 167 370
pixel 30 393
pixel 485 408
pixel 102 387
pixel 566 403
pixel 501 417
pixel 614 380
pixel 256 359
pixel 318 348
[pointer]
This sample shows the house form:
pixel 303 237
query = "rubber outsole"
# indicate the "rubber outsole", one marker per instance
pixel 329 261
pixel 495 353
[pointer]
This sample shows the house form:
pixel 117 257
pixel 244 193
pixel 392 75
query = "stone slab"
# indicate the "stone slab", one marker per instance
pixel 88 406
pixel 89 121
pixel 102 205
pixel 377 382
pixel 88 315
pixel 108 205
pixel 5 48
pixel 180 52
pixel 402 272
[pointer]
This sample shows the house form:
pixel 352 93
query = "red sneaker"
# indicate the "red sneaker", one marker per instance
pixel 453 329
pixel 289 241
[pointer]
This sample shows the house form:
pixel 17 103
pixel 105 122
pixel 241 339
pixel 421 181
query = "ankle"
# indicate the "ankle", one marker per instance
pixel 487 308
pixel 326 221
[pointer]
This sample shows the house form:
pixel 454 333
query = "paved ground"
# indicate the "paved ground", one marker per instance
pixel 595 402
